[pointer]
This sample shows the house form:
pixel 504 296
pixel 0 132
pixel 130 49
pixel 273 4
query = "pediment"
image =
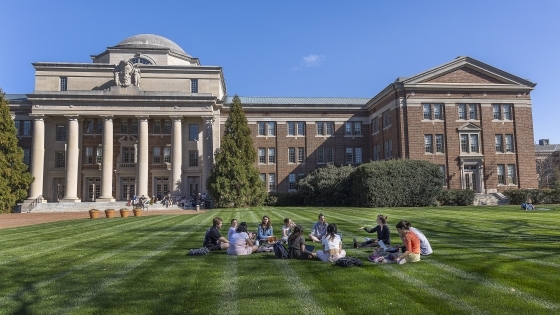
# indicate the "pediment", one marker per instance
pixel 469 127
pixel 465 75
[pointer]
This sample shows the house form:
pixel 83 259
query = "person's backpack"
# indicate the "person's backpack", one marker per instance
pixel 199 251
pixel 348 262
pixel 279 250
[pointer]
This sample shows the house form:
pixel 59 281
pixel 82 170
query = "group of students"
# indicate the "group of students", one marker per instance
pixel 242 242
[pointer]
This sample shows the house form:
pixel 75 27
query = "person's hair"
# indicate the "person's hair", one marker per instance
pixel 233 220
pixel 268 224
pixel 383 218
pixel 216 221
pixel 242 227
pixel 331 231
pixel 403 224
pixel 286 221
pixel 320 215
pixel 298 230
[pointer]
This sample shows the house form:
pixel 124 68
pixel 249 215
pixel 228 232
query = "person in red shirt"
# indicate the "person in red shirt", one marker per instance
pixel 412 243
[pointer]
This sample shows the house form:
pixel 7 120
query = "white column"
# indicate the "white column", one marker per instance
pixel 142 175
pixel 207 150
pixel 107 161
pixel 72 160
pixel 38 157
pixel 177 157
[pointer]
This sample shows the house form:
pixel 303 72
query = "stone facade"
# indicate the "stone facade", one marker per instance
pixel 159 126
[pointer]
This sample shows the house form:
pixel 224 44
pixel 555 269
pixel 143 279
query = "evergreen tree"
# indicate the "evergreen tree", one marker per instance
pixel 234 181
pixel 14 176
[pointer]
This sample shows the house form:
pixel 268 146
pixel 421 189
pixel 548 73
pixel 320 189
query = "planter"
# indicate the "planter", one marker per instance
pixel 94 213
pixel 124 212
pixel 110 213
pixel 137 212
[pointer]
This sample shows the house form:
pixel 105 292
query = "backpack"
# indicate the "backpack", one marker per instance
pixel 348 262
pixel 199 251
pixel 279 250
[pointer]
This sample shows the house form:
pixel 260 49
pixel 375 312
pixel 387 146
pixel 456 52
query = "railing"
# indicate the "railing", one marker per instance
pixel 34 204
pixel 126 165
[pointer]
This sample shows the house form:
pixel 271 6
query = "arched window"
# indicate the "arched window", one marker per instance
pixel 141 60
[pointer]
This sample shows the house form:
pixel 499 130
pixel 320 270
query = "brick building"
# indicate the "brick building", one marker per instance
pixel 145 118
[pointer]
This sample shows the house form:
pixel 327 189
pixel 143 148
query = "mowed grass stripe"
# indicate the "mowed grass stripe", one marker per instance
pixel 227 301
pixel 27 234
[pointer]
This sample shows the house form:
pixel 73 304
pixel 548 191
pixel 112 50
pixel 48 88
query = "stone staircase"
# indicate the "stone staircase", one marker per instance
pixel 86 206
pixel 495 199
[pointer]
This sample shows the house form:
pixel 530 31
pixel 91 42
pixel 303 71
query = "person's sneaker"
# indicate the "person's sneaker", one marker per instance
pixel 367 239
pixel 355 243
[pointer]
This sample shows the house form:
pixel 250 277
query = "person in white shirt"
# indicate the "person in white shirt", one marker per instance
pixel 287 229
pixel 231 230
pixel 332 246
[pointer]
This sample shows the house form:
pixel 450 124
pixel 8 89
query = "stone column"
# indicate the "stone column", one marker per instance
pixel 142 175
pixel 107 161
pixel 207 150
pixel 177 157
pixel 72 160
pixel 38 157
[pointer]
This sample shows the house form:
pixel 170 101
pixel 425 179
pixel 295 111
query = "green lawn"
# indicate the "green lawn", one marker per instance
pixel 487 260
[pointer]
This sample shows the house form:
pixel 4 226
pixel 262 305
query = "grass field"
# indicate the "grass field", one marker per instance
pixel 487 260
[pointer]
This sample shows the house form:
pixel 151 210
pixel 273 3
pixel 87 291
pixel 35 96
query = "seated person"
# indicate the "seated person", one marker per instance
pixel 213 240
pixel 383 233
pixel 241 243
pixel 287 229
pixel 296 245
pixel 232 229
pixel 332 246
pixel 264 230
pixel 319 229
pixel 412 245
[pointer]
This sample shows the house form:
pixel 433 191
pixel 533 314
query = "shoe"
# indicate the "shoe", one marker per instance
pixel 355 243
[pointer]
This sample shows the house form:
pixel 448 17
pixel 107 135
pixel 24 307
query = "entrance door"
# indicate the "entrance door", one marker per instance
pixel 161 185
pixel 58 189
pixel 470 177
pixel 128 188
pixel 94 188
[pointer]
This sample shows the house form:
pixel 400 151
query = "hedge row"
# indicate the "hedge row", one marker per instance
pixel 536 196
pixel 456 197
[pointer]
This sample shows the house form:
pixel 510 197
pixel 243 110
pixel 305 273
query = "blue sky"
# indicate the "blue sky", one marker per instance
pixel 300 48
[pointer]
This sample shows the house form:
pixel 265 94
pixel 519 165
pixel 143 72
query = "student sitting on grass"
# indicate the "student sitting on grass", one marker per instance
pixel 319 229
pixel 240 242
pixel 332 246
pixel 232 229
pixel 412 243
pixel 213 240
pixel 382 230
pixel 264 230
pixel 287 229
pixel 296 245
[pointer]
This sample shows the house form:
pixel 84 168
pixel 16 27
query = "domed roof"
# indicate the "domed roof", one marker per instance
pixel 150 41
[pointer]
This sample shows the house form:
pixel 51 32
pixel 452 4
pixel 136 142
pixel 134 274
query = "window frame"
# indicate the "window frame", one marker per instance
pixel 194 130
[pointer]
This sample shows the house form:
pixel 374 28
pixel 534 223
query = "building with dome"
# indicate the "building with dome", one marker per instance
pixel 145 118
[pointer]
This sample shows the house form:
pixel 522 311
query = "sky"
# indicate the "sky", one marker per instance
pixel 300 48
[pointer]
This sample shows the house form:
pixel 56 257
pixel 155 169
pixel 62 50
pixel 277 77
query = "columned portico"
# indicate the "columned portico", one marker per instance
pixel 72 160
pixel 107 161
pixel 142 172
pixel 38 157
pixel 177 158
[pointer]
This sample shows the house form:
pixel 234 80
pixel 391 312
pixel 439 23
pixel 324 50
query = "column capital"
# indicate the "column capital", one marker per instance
pixel 37 116
pixel 142 117
pixel 176 118
pixel 107 117
pixel 72 117
pixel 209 119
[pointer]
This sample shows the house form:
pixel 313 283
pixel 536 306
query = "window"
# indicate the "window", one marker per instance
pixel 428 144
pixel 499 141
pixel 263 177
pixel 474 143
pixel 260 127
pixel 271 155
pixel 26 156
pixel 167 154
pixel 320 128
pixel 507 111
pixel 438 111
pixel 157 126
pixel 496 112
pixel 320 155
pixel 292 181
pixel 348 128
pixel 193 132
pixel 439 144
pixel 386 119
pixel 442 170
pixel 291 155
pixel 301 155
pixel 63 83
pixel 501 171
pixel 509 143
pixel 17 124
pixel 462 111
pixel 290 125
pixel 89 155
pixel 427 111
pixel 89 126
pixel 99 126
pixel 301 128
pixel 357 128
pixel 137 60
pixel 167 126
pixel 60 132
pixel 98 155
pixel 193 158
pixel 464 143
pixel 134 127
pixel 377 152
pixel 358 155
pixel 472 112
pixel 128 155
pixel 60 159
pixel 263 127
pixel 349 155
pixel 272 128
pixel 353 128
pixel 329 126
pixel 353 155
pixel 330 155
pixel 511 174
pixel 27 127
pixel 124 126
pixel 157 154
pixel 469 143
pixel 194 85
pixel 262 157
pixel 375 124
pixel 271 181
pixel 388 149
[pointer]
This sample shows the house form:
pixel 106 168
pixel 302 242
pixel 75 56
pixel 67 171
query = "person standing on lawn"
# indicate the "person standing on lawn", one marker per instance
pixel 213 240
pixel 296 245
pixel 332 246
pixel 319 229
pixel 383 233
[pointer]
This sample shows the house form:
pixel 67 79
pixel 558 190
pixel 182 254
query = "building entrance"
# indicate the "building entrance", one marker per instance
pixel 94 188
pixel 470 177
pixel 128 188
pixel 58 189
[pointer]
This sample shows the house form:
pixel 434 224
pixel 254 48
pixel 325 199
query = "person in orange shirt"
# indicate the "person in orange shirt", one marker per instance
pixel 412 243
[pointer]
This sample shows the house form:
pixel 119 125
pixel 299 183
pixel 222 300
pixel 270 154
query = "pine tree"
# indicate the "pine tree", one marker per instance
pixel 14 176
pixel 234 180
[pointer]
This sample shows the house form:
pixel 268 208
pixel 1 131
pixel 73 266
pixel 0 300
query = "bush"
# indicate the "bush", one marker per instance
pixel 284 200
pixel 456 197
pixel 535 196
pixel 326 186
pixel 402 183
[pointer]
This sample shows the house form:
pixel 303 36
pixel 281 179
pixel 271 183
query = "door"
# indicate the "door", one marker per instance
pixel 58 189
pixel 470 174
pixel 94 188
pixel 127 187
pixel 161 185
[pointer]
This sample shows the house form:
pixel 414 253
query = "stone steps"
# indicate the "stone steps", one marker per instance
pixel 494 199
pixel 86 206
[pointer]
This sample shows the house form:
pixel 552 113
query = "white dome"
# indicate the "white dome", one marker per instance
pixel 151 41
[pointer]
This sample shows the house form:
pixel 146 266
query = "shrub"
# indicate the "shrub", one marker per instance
pixel 284 199
pixel 535 196
pixel 456 197
pixel 326 186
pixel 402 183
